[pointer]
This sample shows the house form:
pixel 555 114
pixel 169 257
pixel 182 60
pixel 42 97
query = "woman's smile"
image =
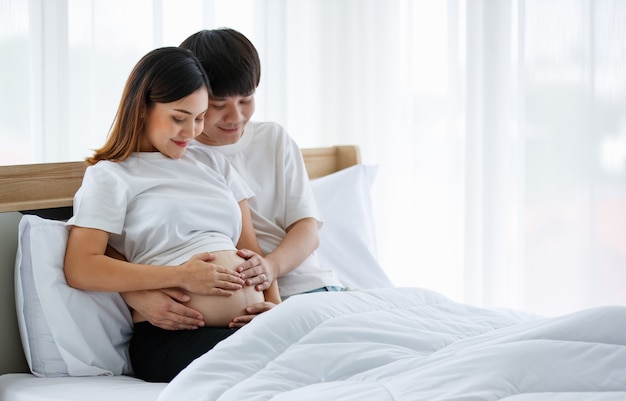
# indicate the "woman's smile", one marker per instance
pixel 182 144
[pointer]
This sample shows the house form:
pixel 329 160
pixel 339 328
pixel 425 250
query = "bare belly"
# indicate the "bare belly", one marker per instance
pixel 217 310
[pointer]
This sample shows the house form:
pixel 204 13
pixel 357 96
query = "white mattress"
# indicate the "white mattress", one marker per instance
pixel 27 387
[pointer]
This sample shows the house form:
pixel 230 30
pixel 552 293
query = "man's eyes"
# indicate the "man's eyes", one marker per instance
pixel 221 105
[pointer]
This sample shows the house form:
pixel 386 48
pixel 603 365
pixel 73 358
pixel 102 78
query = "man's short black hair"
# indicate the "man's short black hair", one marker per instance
pixel 229 59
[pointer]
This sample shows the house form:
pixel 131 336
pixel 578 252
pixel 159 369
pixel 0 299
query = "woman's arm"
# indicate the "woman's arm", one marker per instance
pixel 87 267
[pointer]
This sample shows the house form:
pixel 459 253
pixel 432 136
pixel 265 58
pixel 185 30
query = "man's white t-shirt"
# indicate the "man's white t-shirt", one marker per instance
pixel 271 164
pixel 162 211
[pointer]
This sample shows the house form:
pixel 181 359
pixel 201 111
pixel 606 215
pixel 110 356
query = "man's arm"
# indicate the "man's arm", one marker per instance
pixel 301 240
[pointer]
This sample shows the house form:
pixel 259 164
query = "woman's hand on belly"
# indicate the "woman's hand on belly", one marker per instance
pixel 205 274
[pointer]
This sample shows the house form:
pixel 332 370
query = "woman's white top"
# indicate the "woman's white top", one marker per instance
pixel 162 211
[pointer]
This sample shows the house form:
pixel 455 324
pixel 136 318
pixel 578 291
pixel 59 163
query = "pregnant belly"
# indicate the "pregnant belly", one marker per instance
pixel 218 311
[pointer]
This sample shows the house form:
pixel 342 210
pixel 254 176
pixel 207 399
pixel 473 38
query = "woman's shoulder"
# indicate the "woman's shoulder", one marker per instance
pixel 104 169
pixel 127 171
pixel 104 177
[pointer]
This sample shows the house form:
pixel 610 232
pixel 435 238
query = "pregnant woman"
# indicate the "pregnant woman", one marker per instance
pixel 143 197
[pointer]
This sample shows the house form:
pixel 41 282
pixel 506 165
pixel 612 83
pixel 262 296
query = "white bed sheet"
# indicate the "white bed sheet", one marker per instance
pixel 28 387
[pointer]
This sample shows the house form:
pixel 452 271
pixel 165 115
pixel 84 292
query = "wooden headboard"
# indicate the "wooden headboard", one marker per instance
pixel 52 185
pixel 43 188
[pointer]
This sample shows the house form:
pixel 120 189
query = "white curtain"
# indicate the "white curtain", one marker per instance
pixel 499 126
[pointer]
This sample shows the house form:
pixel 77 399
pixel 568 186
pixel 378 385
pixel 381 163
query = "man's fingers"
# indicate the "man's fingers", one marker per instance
pixel 252 260
pixel 252 273
pixel 260 307
pixel 254 310
pixel 263 286
pixel 176 294
pixel 244 253
pixel 191 324
pixel 240 321
pixel 183 316
pixel 174 321
pixel 180 317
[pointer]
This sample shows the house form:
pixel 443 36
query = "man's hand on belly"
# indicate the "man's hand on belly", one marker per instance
pixel 254 311
pixel 165 309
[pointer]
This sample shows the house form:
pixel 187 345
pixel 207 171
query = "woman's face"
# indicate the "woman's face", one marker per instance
pixel 171 126
pixel 226 118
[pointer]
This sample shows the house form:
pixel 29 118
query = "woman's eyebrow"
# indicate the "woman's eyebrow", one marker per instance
pixel 183 111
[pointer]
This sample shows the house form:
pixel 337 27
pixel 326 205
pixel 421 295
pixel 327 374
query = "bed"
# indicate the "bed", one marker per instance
pixel 375 342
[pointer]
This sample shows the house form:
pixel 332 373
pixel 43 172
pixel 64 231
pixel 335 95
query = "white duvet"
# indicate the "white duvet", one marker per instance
pixel 410 344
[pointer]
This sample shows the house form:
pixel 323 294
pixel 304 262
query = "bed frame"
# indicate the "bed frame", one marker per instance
pixel 47 190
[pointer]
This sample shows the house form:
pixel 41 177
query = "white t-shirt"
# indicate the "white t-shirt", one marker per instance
pixel 271 164
pixel 162 211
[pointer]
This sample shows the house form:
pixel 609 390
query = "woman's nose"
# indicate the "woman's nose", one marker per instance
pixel 191 130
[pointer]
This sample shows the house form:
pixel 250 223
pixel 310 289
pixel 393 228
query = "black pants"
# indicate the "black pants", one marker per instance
pixel 157 355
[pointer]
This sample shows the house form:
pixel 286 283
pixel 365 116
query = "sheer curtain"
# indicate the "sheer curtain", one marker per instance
pixel 499 126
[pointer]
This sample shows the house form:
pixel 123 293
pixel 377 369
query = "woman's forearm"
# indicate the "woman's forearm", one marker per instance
pixel 103 273
pixel 88 268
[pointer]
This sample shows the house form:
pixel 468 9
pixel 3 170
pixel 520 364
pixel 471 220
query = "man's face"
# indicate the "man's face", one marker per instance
pixel 226 118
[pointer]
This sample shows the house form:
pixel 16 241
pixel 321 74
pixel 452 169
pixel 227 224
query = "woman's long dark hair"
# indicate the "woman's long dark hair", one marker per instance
pixel 164 75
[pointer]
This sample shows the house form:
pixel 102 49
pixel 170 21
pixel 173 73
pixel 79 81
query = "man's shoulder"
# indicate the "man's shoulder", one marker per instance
pixel 267 128
pixel 270 132
pixel 206 156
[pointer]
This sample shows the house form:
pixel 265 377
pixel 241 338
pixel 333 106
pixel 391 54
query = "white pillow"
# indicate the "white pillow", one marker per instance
pixel 347 238
pixel 65 331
